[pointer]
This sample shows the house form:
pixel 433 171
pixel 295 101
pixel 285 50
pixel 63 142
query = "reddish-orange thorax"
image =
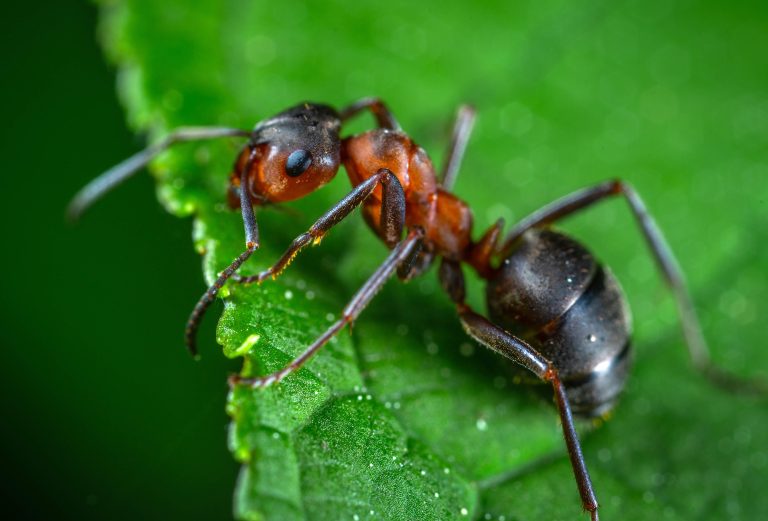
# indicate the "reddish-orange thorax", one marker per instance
pixel 446 219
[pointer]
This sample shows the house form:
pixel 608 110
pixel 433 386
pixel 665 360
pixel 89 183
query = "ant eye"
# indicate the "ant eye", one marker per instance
pixel 298 162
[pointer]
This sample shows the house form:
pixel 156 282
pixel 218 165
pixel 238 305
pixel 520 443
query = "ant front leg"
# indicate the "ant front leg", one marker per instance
pixel 519 351
pixel 392 220
pixel 352 310
pixel 251 244
pixel 665 259
pixel 380 111
pixel 107 181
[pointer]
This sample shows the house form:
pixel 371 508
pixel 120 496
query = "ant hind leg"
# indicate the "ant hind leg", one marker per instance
pixel 500 341
pixel 665 260
pixel 509 346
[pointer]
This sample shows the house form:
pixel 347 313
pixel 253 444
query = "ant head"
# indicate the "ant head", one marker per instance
pixel 297 152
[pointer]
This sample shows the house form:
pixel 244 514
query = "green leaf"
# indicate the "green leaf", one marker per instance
pixel 405 418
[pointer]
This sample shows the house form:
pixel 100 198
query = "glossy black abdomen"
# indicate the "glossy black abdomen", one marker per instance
pixel 553 293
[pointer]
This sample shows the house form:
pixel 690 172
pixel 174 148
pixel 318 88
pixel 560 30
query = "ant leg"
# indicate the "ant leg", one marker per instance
pixel 392 220
pixel 251 244
pixel 384 118
pixel 665 259
pixel 462 128
pixel 104 183
pixel 519 351
pixel 482 251
pixel 350 313
pixel 498 340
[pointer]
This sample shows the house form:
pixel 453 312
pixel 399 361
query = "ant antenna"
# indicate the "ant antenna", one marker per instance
pixel 104 183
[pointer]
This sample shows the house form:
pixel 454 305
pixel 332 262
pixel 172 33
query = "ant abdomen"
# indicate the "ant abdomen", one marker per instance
pixel 553 293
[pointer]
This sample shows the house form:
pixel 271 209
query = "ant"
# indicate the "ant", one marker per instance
pixel 553 308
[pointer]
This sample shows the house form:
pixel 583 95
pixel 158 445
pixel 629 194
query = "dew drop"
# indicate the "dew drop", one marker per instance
pixel 288 294
pixel 592 338
pixel 464 511
pixel 481 424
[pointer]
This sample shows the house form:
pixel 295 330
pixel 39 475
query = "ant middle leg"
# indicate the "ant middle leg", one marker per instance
pixel 462 129
pixel 352 310
pixel 665 260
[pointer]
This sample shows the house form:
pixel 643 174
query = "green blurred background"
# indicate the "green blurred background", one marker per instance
pixel 104 416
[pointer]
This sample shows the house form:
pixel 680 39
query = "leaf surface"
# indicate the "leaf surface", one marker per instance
pixel 405 418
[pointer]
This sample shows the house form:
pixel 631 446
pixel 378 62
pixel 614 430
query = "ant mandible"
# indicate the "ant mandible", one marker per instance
pixel 553 308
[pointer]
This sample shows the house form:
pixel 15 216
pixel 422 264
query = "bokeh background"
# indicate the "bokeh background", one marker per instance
pixel 104 416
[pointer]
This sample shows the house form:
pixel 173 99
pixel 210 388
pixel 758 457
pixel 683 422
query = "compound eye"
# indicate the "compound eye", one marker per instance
pixel 298 162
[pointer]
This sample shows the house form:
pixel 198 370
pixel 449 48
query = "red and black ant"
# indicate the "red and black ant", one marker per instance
pixel 553 308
